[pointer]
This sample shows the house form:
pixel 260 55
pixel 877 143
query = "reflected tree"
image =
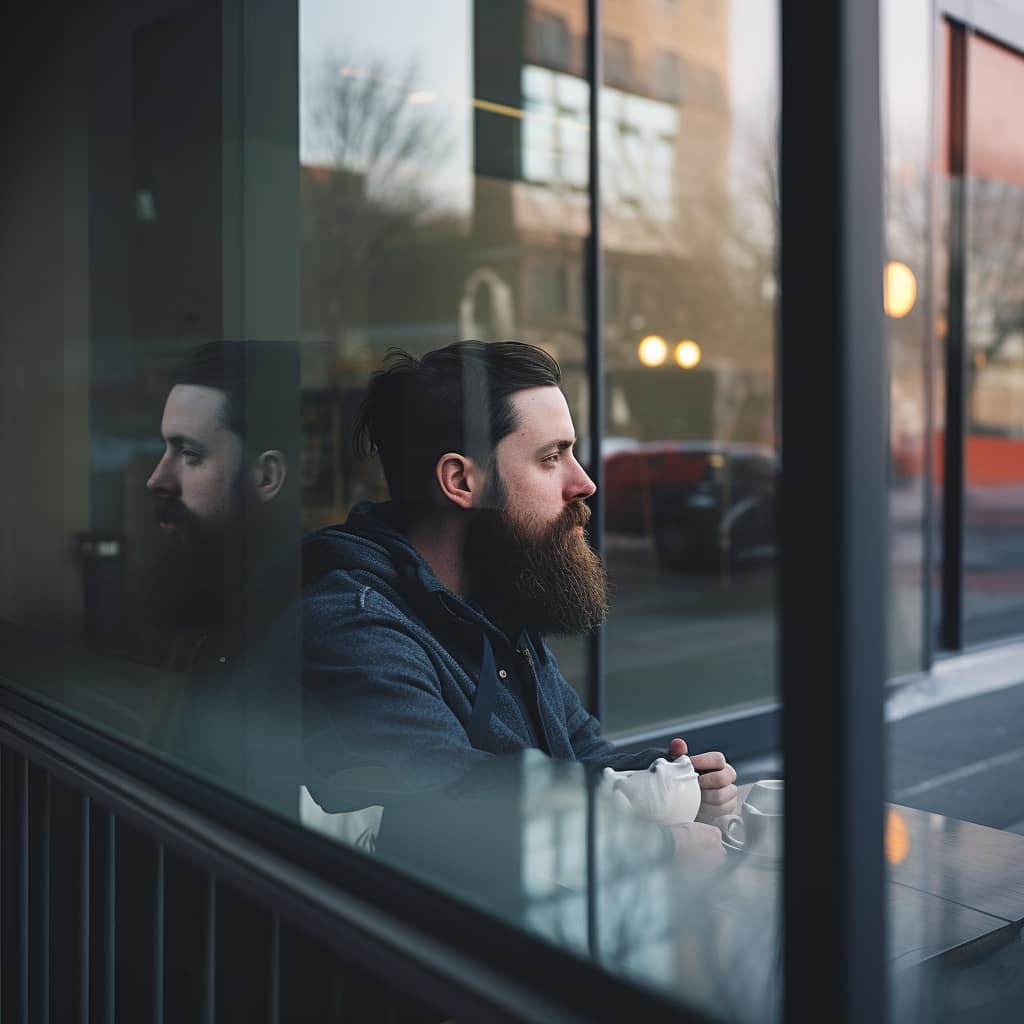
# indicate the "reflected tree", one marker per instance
pixel 371 148
pixel 994 297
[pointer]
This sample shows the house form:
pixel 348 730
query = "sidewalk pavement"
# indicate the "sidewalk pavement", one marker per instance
pixel 955 743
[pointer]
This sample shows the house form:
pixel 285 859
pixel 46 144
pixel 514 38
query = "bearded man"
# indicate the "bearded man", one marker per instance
pixel 424 616
pixel 227 508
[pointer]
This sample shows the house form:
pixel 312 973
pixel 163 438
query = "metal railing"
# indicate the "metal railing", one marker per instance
pixel 122 901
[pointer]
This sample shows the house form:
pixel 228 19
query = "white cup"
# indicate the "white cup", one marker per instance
pixel 758 826
pixel 667 792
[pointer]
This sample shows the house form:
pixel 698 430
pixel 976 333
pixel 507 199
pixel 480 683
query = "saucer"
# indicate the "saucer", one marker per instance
pixel 766 860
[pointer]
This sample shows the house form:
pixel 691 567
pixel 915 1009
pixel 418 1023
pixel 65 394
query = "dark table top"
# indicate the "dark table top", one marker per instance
pixel 953 885
pixel 958 888
pixel 970 865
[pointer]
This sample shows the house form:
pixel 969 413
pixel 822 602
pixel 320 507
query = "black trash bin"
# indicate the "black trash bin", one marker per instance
pixel 102 558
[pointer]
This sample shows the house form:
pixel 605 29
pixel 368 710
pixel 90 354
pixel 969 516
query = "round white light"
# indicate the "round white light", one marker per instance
pixel 688 354
pixel 653 350
pixel 900 292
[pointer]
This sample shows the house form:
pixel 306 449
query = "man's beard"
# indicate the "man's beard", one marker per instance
pixel 546 578
pixel 187 581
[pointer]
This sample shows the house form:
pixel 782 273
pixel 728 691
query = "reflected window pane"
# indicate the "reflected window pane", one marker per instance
pixel 994 337
pixel 907 109
pixel 444 178
pixel 689 213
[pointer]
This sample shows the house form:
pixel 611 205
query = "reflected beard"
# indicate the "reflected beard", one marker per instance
pixel 186 582
pixel 545 579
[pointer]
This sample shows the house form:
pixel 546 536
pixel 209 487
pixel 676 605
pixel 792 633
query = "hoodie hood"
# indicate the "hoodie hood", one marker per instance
pixel 370 542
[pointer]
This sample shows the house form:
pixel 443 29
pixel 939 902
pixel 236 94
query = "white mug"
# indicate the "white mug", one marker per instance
pixel 667 792
pixel 758 826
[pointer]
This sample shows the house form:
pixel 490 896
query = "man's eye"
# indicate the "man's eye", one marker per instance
pixel 553 457
pixel 191 458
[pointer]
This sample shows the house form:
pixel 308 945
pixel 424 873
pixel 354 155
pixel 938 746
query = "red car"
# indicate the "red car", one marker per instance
pixel 705 503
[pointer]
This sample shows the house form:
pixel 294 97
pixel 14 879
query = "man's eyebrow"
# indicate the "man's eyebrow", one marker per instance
pixel 560 445
pixel 181 440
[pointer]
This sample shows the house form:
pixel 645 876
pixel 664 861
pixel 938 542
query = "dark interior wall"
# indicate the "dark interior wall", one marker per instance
pixel 95 293
pixel 44 415
pixel 155 248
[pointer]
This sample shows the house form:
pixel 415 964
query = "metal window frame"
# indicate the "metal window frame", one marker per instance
pixel 951 620
pixel 990 18
pixel 745 734
pixel 594 292
pixel 833 570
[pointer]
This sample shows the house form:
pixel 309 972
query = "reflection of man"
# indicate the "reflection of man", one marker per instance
pixel 212 485
pixel 227 508
pixel 424 617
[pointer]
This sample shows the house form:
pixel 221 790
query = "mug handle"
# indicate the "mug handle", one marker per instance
pixel 729 826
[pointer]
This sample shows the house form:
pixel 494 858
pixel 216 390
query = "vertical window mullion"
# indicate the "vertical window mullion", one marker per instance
pixel 594 271
pixel 834 511
pixel 952 621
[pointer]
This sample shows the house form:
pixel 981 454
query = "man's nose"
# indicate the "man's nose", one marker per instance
pixel 581 485
pixel 162 480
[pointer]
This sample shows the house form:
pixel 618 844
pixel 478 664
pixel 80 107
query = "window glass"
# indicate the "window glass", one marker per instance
pixel 954 821
pixel 993 569
pixel 689 209
pixel 910 320
pixel 144 598
pixel 444 196
pixel 259 202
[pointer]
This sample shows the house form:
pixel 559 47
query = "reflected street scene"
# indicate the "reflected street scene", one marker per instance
pixel 396 571
pixel 450 197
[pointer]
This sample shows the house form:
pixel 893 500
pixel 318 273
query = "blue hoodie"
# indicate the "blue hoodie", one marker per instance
pixel 408 684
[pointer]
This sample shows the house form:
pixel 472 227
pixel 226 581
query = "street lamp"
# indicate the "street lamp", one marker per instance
pixel 652 350
pixel 688 354
pixel 900 291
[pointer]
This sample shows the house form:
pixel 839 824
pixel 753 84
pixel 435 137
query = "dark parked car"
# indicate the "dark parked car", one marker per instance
pixel 707 504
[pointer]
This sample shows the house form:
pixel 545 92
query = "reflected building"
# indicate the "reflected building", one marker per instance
pixel 495 247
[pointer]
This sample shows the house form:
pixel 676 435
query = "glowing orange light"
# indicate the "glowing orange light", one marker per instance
pixel 897 838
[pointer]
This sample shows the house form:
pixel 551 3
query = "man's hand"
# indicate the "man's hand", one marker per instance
pixel 718 793
pixel 698 844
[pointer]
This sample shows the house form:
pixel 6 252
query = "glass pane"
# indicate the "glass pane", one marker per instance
pixel 994 336
pixel 907 98
pixel 953 835
pixel 444 196
pixel 175 569
pixel 492 124
pixel 155 544
pixel 689 209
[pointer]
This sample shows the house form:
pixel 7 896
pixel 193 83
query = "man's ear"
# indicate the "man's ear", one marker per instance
pixel 459 479
pixel 270 470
